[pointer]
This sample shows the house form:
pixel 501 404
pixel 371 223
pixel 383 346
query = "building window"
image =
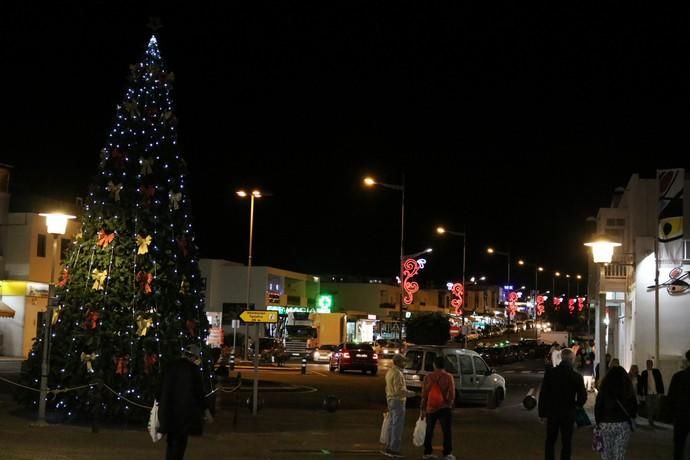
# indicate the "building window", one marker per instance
pixel 41 246
pixel 64 247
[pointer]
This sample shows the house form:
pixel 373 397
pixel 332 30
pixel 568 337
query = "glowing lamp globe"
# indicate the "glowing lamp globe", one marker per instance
pixel 602 250
pixel 56 222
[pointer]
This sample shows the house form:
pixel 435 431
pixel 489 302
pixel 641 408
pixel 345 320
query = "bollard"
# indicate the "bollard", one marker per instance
pixel 530 402
pixel 304 365
pixel 232 361
pixel 331 403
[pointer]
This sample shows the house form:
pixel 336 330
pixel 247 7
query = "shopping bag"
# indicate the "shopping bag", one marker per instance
pixel 419 432
pixel 154 423
pixel 581 418
pixel 597 440
pixel 383 439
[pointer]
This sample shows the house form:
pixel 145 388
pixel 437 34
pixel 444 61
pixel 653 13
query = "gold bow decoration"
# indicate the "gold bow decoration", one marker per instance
pixel 104 239
pixel 114 189
pixel 143 243
pixel 174 199
pixel 146 165
pixel 98 279
pixel 88 358
pixel 143 325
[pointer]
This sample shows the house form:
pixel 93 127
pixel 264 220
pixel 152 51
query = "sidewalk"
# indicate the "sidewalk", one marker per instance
pixel 296 434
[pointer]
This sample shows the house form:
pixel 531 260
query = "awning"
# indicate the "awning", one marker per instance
pixel 6 311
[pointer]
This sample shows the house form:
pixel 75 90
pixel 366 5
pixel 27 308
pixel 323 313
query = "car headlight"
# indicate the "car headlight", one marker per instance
pixel 414 377
pixel 316 355
pixel 395 352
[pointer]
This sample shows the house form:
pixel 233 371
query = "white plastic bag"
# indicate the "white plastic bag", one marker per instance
pixel 419 432
pixel 383 439
pixel 154 423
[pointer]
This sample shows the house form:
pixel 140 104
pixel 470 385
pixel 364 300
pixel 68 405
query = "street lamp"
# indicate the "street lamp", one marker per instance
pixel 500 253
pixel 567 277
pixel 577 284
pixel 254 194
pixel 56 224
pixel 553 281
pixel 371 182
pixel 602 253
pixel 443 231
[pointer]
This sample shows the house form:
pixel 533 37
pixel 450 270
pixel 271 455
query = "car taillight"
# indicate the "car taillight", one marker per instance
pixel 376 356
pixel 346 355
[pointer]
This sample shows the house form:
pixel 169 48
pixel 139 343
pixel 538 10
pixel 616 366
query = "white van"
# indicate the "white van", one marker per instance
pixel 474 380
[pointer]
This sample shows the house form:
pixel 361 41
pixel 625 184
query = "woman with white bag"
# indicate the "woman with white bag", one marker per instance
pixel 438 400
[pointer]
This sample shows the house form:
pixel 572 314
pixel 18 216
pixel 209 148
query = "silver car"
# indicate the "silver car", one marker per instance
pixel 474 380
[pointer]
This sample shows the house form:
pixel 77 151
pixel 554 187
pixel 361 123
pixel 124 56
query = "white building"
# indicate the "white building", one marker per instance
pixel 628 283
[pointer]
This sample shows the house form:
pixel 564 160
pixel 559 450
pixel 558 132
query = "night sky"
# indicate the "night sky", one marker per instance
pixel 515 122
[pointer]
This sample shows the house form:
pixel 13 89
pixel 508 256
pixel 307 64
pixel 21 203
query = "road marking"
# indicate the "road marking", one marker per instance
pixel 318 373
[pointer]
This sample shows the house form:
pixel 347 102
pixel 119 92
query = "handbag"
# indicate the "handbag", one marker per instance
pixel 419 432
pixel 597 439
pixel 631 421
pixel 581 417
pixel 154 423
pixel 383 438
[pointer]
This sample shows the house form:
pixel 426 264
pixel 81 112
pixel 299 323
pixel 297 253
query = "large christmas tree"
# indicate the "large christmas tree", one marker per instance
pixel 130 296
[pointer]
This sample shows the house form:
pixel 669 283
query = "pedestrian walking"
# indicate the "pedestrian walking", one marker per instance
pixel 438 400
pixel 634 375
pixel 556 355
pixel 597 373
pixel 679 402
pixel 588 368
pixel 615 411
pixel 182 402
pixel 562 391
pixel 650 388
pixel 396 397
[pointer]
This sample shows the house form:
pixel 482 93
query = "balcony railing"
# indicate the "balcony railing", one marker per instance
pixel 615 271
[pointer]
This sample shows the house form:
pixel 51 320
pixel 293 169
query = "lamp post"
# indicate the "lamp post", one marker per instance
pixel 370 182
pixel 500 253
pixel 443 231
pixel 56 224
pixel 537 269
pixel 254 194
pixel 553 282
pixel 602 253
pixel 577 285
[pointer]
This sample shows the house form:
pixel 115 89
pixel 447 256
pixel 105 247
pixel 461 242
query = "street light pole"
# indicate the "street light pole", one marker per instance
pixel 57 225
pixel 370 182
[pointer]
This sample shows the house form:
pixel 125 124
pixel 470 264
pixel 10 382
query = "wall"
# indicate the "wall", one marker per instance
pixel 364 297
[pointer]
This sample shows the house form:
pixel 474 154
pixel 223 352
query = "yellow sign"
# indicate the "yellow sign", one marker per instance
pixel 259 316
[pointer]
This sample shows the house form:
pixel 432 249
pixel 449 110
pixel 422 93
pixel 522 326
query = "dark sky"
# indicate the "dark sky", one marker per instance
pixel 496 114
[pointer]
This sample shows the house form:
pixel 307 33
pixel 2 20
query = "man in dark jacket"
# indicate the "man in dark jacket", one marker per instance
pixel 650 386
pixel 679 402
pixel 181 403
pixel 562 391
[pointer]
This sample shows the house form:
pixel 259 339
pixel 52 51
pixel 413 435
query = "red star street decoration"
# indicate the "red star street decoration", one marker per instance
pixel 571 306
pixel 557 303
pixel 512 302
pixel 458 290
pixel 580 303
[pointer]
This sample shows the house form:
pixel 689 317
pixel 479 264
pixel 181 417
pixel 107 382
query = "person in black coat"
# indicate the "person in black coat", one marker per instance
pixel 182 403
pixel 615 411
pixel 679 402
pixel 562 391
pixel 650 388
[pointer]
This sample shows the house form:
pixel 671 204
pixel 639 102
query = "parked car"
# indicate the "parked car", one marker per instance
pixel 354 356
pixel 323 353
pixel 390 348
pixel 474 380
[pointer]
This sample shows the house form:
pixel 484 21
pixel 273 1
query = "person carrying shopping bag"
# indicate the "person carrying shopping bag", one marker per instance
pixel 438 400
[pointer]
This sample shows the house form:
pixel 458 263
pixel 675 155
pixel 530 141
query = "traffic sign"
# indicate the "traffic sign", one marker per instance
pixel 259 316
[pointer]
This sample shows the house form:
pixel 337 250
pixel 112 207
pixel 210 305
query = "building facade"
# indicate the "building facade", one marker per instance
pixel 625 291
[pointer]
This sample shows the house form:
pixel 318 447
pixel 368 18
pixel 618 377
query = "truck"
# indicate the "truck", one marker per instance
pixel 562 337
pixel 304 332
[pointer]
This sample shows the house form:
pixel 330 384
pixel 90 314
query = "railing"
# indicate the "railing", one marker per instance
pixel 615 271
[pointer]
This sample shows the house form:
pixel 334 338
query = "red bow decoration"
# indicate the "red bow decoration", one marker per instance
pixel 580 303
pixel 571 306
pixel 458 290
pixel 557 303
pixel 121 365
pixel 104 239
pixel 144 280
pixel 92 318
pixel 148 191
pixel 191 327
pixel 118 158
pixel 149 361
pixel 64 278
pixel 182 244
pixel 540 305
